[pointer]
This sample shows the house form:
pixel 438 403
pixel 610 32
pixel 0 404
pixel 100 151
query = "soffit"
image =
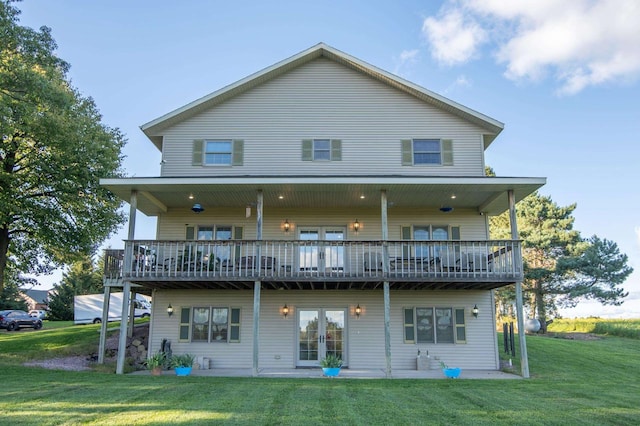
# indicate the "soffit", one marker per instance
pixel 486 194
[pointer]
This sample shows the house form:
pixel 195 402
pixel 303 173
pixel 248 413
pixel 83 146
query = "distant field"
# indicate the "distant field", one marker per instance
pixel 612 327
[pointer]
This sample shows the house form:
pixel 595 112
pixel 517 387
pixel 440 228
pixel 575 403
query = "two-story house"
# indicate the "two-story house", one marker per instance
pixel 322 206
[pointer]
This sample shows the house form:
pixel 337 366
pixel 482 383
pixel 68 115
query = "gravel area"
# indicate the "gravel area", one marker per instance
pixel 71 363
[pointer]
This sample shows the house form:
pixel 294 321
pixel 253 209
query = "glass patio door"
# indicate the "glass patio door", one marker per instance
pixel 321 331
pixel 318 252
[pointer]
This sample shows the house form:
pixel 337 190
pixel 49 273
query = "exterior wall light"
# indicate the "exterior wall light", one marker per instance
pixel 356 226
pixel 286 225
pixel 169 310
pixel 475 311
pixel 285 310
pixel 358 311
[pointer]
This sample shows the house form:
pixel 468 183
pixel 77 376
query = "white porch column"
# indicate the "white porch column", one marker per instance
pixel 256 326
pixel 524 358
pixel 126 290
pixel 257 284
pixel 385 270
pixel 103 325
pixel 122 343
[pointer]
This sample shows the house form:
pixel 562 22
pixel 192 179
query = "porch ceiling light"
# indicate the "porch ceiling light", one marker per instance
pixel 169 310
pixel 197 208
pixel 285 310
pixel 475 311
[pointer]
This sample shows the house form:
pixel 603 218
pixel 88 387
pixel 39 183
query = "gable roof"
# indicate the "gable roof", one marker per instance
pixel 154 128
pixel 39 296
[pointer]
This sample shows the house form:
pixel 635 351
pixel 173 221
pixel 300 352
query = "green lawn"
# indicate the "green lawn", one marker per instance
pixel 573 382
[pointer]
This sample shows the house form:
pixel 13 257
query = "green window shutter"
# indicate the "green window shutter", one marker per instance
pixel 185 324
pixel 307 150
pixel 190 233
pixel 198 146
pixel 406 235
pixel 234 326
pixel 455 232
pixel 237 235
pixel 238 152
pixel 461 333
pixel 336 150
pixel 447 152
pixel 407 152
pixel 409 326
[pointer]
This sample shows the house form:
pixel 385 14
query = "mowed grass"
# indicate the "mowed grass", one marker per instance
pixel 573 382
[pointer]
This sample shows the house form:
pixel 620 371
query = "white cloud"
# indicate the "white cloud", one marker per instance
pixel 454 37
pixel 461 82
pixel 580 43
pixel 406 57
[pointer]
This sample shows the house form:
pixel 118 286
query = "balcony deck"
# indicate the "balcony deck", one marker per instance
pixel 317 265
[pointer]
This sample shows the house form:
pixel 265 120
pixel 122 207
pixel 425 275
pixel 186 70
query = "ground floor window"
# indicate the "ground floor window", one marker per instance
pixel 209 324
pixel 434 325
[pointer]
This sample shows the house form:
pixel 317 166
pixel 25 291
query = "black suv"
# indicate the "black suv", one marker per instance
pixel 14 320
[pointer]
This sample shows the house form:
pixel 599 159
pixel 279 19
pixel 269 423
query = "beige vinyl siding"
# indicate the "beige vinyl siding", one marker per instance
pixel 173 225
pixel 323 100
pixel 365 337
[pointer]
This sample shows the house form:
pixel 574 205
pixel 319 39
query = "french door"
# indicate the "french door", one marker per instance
pixel 321 249
pixel 321 332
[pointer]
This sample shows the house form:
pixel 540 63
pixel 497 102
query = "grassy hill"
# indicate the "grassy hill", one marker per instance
pixel 585 382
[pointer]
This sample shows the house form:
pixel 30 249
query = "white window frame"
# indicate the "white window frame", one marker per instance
pixel 219 152
pixel 438 152
pixel 317 150
pixel 211 334
pixel 412 338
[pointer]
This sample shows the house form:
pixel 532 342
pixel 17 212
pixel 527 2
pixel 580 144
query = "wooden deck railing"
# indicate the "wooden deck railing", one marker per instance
pixel 296 260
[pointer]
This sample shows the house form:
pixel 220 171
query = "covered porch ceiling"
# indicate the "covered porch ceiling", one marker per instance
pixel 487 195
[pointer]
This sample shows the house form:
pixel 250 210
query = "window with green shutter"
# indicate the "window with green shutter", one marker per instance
pixel 321 150
pixel 185 324
pixel 427 152
pixel 409 326
pixel 218 152
pixel 436 325
pixel 234 326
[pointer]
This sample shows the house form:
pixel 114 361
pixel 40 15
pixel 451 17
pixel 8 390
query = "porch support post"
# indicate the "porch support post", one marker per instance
pixel 524 358
pixel 257 284
pixel 385 270
pixel 132 315
pixel 256 326
pixel 122 343
pixel 128 247
pixel 105 320
pixel 387 327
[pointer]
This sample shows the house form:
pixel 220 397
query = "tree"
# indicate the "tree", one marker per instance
pixel 560 267
pixel 84 277
pixel 11 296
pixel 53 152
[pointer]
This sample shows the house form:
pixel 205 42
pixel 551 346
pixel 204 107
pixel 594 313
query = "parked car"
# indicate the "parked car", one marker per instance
pixel 15 319
pixel 38 313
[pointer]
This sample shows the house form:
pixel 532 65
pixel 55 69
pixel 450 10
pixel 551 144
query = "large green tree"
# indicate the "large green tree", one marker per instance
pixel 53 152
pixel 83 277
pixel 560 267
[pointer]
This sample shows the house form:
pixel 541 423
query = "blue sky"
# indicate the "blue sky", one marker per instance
pixel 562 76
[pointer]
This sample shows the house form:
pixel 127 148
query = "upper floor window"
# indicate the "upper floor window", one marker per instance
pixel 321 150
pixel 427 152
pixel 218 152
